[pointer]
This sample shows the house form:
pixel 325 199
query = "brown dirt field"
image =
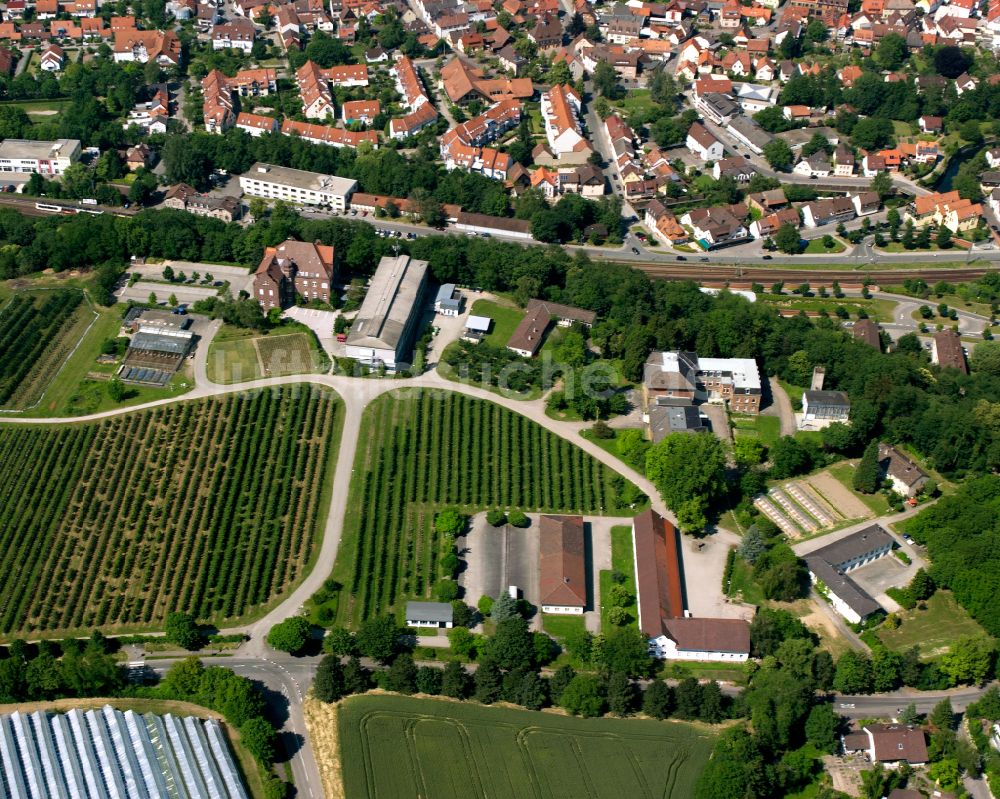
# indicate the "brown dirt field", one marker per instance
pixel 849 506
pixel 820 500
pixel 321 722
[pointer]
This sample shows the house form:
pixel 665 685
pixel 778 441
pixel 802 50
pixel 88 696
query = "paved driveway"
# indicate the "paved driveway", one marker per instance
pixel 887 572
pixel 320 322
pixel 238 277
pixel 704 561
pixel 498 557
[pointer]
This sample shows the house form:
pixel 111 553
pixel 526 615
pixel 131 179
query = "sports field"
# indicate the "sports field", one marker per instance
pixel 394 746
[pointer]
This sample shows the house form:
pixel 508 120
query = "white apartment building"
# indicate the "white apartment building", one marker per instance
pixel 297 186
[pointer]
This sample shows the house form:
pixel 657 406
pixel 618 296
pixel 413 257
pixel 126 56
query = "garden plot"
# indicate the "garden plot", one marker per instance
pixel 801 508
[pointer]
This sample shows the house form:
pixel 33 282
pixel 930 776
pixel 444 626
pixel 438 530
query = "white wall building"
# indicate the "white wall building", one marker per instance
pixel 43 157
pixel 296 186
pixel 383 330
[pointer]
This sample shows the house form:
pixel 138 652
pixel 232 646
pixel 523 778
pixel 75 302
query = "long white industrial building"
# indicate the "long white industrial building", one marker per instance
pixel 108 754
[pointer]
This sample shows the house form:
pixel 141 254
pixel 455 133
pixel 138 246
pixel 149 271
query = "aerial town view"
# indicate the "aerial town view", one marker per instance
pixel 499 399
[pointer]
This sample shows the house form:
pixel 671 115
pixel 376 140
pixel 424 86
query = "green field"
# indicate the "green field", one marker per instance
pixel 394 746
pixel 743 585
pixel 424 450
pixel 213 507
pixel 932 630
pixel 38 331
pixel 505 319
pixel 621 561
pixel 238 355
pixel 766 428
pixel 40 108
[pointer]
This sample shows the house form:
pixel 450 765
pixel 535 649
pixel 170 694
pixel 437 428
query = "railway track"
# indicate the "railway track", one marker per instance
pixel 27 206
pixel 747 274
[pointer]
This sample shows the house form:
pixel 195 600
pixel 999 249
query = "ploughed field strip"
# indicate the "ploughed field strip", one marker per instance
pixel 426 450
pixel 209 507
pixel 400 746
pixel 37 331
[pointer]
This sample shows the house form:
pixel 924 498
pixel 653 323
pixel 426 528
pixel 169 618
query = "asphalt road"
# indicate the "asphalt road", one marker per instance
pixel 886 705
pixel 284 681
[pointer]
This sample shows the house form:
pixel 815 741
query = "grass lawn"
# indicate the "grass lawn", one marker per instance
pixel 402 746
pixel 237 354
pixel 233 361
pixel 815 247
pixel 932 630
pixel 704 670
pixel 621 561
pixel 505 319
pixel 608 445
pixel 743 584
pixel 636 100
pixel 844 472
pixel 794 394
pixel 951 300
pixel 559 626
pixel 31 107
pixel 766 428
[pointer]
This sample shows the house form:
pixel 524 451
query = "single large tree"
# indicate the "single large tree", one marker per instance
pixel 290 635
pixel 328 686
pixel 183 630
pixel 778 154
pixel 378 638
pixel 866 474
pixel 689 472
pixel 787 239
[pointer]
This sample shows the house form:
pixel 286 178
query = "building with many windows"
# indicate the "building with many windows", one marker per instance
pixel 291 270
pixel 43 157
pixel 297 186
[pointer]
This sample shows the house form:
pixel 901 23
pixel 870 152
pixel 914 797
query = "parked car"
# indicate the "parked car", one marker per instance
pixel 635 251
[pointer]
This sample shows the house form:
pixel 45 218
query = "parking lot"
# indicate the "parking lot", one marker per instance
pixel 498 557
pixel 887 572
pixel 185 294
